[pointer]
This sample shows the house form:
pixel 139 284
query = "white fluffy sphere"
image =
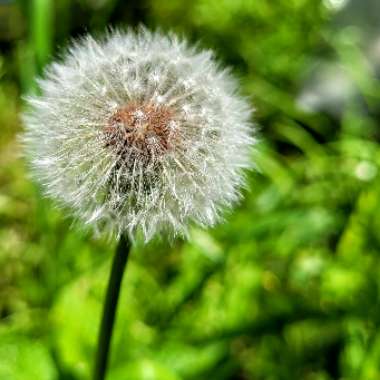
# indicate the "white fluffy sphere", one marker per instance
pixel 139 132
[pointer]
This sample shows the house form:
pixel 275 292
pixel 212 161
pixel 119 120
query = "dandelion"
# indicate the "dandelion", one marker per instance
pixel 138 132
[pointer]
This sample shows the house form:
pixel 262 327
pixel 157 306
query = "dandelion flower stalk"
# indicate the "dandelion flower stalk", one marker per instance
pixel 110 306
pixel 138 134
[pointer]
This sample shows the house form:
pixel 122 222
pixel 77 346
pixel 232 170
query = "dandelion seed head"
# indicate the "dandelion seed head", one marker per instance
pixel 139 131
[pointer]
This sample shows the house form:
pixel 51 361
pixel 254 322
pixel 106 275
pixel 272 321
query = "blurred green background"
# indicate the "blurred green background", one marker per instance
pixel 289 286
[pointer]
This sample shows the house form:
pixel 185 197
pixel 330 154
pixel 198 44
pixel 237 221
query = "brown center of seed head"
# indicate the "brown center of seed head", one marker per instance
pixel 142 128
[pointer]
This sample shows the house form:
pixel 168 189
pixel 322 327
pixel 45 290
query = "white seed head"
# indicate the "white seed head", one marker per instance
pixel 139 132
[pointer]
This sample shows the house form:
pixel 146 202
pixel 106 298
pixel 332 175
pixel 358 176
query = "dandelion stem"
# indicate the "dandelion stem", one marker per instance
pixel 110 305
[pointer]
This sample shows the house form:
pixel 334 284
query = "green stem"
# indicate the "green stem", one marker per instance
pixel 110 306
pixel 42 28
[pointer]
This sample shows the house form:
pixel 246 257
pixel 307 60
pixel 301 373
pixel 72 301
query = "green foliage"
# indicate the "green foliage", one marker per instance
pixel 22 359
pixel 287 288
